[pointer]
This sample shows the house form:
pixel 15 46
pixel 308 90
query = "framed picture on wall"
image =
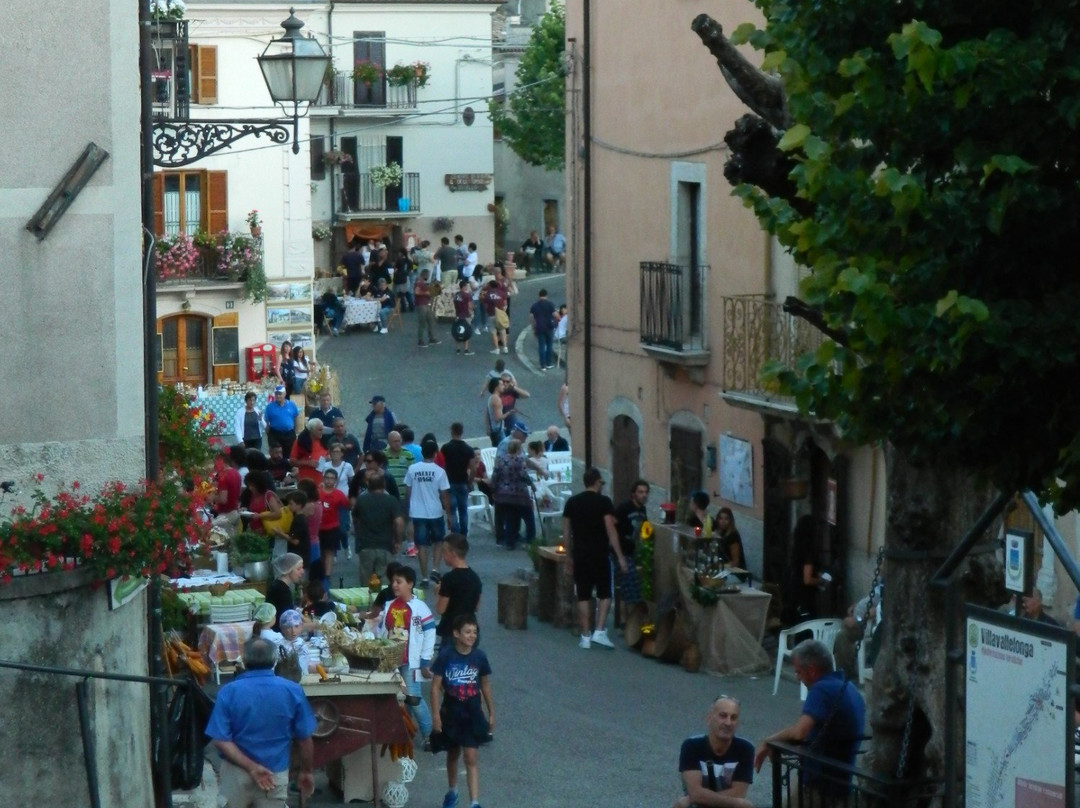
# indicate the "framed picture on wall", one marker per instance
pixel 288 316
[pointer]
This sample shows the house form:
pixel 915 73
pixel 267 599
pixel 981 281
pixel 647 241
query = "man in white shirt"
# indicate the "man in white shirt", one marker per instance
pixel 427 498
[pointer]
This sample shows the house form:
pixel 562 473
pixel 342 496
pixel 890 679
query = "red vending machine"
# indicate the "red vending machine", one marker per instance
pixel 261 361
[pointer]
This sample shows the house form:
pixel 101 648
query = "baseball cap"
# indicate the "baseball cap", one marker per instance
pixel 279 389
pixel 518 426
pixel 377 399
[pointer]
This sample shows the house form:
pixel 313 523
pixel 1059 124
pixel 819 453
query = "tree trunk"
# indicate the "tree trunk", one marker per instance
pixel 929 509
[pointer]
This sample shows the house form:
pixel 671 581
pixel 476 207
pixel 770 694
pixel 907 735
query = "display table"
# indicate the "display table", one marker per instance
pixel 223 409
pixel 360 311
pixel 352 713
pixel 224 642
pixel 558 603
pixel 198 601
pixel 728 634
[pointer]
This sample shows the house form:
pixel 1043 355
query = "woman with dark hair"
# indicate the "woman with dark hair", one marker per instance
pixel 302 368
pixel 263 502
pixel 730 540
pixel 513 491
pixel 699 513
pixel 286 369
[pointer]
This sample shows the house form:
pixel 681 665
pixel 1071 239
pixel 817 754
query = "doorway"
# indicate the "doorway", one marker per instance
pixel 685 468
pixel 183 349
pixel 625 456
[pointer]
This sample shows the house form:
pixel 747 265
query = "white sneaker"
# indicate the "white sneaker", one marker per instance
pixel 584 642
pixel 505 349
pixel 382 330
pixel 495 351
pixel 600 638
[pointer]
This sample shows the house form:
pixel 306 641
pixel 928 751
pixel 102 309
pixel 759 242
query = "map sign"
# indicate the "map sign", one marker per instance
pixel 1019 712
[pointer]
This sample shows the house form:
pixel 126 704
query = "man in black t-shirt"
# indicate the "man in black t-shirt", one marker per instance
pixel 459 590
pixel 719 763
pixel 445 257
pixel 588 533
pixel 460 460
pixel 353 261
pixel 629 517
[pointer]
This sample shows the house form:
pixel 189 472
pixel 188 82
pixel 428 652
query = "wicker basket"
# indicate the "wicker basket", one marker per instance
pixel 378 655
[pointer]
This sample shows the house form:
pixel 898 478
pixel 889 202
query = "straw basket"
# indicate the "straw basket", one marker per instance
pixel 379 655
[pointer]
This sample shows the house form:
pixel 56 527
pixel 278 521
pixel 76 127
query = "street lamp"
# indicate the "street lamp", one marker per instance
pixel 295 71
pixel 293 67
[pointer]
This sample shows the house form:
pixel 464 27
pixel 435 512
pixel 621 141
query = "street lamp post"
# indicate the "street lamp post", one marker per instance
pixel 293 67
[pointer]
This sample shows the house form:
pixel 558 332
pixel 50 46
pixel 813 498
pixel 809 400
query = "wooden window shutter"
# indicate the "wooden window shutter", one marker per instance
pixel 158 192
pixel 205 63
pixel 217 201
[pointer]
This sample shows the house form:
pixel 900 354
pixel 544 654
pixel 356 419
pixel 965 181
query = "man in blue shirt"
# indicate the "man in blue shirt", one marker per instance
pixel 543 321
pixel 555 248
pixel 280 417
pixel 831 724
pixel 256 718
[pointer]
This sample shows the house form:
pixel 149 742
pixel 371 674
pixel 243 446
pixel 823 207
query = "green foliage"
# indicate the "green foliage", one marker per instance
pixel 938 158
pixel 533 119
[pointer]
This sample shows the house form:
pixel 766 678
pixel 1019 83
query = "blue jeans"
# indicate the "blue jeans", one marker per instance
pixel 479 318
pixel 512 516
pixel 459 508
pixel 421 713
pixel 427 532
pixel 543 339
pixel 384 315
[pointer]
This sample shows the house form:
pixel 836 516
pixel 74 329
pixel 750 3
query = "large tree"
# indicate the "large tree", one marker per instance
pixel 921 158
pixel 532 119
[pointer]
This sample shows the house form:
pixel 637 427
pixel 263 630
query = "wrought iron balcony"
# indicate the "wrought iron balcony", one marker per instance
pixel 359 197
pixel 378 97
pixel 673 312
pixel 757 330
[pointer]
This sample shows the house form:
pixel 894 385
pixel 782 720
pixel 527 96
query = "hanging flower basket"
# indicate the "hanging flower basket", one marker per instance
pixel 387 176
pixel 367 72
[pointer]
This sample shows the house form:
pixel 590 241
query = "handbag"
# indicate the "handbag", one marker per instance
pixel 502 319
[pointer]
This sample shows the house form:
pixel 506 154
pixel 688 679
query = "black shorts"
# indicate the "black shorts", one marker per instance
pixel 592 572
pixel 464 723
pixel 332 540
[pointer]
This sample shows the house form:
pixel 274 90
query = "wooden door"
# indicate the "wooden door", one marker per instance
pixel 183 349
pixel 685 468
pixel 625 457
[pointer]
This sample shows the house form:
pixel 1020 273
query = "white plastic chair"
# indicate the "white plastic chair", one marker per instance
pixel 823 630
pixel 866 672
pixel 231 613
pixel 480 505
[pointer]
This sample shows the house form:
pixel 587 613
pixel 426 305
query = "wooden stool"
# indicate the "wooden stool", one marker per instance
pixel 513 603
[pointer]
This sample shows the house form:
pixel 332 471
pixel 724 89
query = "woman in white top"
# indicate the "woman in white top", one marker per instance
pixel 302 368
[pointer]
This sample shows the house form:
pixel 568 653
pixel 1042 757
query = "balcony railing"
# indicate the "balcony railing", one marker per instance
pixel 207 268
pixel 801 777
pixel 380 95
pixel 757 330
pixel 673 307
pixel 357 194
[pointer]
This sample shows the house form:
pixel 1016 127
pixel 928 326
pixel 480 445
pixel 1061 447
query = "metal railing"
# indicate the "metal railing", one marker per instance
pixel 673 313
pixel 207 267
pixel 356 193
pixel 809 780
pixel 344 91
pixel 757 330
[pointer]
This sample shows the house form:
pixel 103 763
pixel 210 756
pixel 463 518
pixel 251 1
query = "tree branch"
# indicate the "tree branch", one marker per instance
pixel 797 308
pixel 764 94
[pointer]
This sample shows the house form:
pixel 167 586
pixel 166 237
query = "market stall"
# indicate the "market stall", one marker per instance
pixel 360 311
pixel 724 616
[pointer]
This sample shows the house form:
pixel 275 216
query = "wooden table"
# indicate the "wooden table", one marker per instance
pixel 366 703
pixel 558 603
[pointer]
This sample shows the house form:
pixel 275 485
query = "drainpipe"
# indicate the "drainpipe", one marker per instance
pixel 159 736
pixel 333 130
pixel 586 252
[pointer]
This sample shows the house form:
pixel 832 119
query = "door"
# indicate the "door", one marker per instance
pixel 625 456
pixel 183 349
pixel 685 468
pixel 370 46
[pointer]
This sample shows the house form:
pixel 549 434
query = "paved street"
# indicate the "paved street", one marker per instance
pixel 429 388
pixel 574 728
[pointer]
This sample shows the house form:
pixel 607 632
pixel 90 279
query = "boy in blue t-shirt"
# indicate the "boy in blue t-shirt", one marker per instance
pixel 462 680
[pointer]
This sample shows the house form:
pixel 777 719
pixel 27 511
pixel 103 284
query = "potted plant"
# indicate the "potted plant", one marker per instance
pixel 367 72
pixel 254 223
pixel 335 157
pixel 240 257
pixel 387 176
pixel 399 75
pixel 422 71
pixel 176 258
pixel 167 9
pixel 321 232
pixel 442 224
pixel 250 553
